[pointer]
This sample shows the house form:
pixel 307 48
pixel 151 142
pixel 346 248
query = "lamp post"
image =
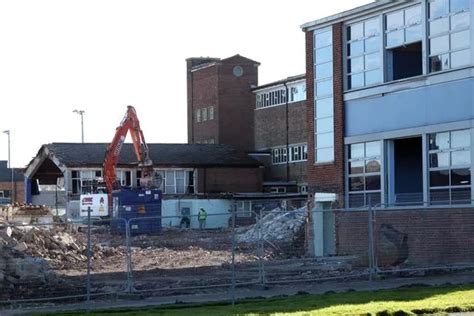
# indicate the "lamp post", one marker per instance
pixel 10 166
pixel 81 113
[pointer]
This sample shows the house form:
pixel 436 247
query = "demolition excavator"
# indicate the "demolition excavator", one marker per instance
pixel 99 200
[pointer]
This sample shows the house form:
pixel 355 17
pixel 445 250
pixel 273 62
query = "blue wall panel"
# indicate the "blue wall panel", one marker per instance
pixel 441 103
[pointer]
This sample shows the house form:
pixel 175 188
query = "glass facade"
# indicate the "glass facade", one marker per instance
pixel 323 96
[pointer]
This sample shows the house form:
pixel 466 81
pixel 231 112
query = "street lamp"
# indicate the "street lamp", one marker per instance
pixel 10 166
pixel 81 113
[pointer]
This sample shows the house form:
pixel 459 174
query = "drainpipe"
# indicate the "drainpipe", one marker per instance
pixel 287 137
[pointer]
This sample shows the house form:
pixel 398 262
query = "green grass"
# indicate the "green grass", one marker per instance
pixel 407 301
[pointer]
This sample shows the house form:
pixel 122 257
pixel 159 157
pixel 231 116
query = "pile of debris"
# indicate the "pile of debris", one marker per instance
pixel 278 226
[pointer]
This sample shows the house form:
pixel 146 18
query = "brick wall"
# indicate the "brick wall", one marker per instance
pixel 432 236
pixel 270 125
pixel 326 177
pixel 19 188
pixel 237 103
pixel 219 180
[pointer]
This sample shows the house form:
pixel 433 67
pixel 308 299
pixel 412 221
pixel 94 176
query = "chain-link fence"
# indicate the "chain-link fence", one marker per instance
pixel 140 253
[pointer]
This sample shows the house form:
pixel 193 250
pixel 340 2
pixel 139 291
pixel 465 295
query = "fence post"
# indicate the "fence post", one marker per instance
pixel 89 250
pixel 371 256
pixel 232 289
pixel 260 250
pixel 129 257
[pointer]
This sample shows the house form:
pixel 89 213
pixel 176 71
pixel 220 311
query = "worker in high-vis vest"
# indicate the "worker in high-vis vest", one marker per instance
pixel 202 216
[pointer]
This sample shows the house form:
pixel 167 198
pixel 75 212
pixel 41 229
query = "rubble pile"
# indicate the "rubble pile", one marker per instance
pixel 277 226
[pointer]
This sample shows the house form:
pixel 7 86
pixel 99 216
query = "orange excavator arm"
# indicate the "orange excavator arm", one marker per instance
pixel 130 123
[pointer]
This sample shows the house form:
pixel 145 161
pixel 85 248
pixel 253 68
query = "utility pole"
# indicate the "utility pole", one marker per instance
pixel 12 194
pixel 81 113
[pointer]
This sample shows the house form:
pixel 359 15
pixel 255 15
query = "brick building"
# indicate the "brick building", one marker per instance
pixel 390 115
pixel 280 134
pixel 220 101
pixel 6 184
pixel 226 106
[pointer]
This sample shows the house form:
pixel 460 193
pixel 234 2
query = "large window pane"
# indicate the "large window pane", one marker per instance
pixel 323 70
pixel 323 39
pixel 372 44
pixel 461 58
pixel 325 154
pixel 324 87
pixel 440 196
pixel 356 200
pixel 439 141
pixel 356 167
pixel 372 183
pixel 373 77
pixel 356 184
pixel 324 140
pixel 372 149
pixel 356 151
pixel 461 158
pixel 356 81
pixel 323 55
pixel 355 31
pixel 413 34
pixel 324 125
pixel 439 178
pixel 371 27
pixel 460 21
pixel 440 62
pixel 438 8
pixel 459 5
pixel 461 176
pixel 461 196
pixel 439 26
pixel 394 20
pixel 356 64
pixel 439 160
pixel 439 44
pixel 355 48
pixel 413 15
pixel 461 138
pixel 395 38
pixel 324 107
pixel 372 166
pixel 460 40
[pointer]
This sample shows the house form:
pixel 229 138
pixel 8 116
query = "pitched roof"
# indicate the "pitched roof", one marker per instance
pixel 178 155
pixel 6 173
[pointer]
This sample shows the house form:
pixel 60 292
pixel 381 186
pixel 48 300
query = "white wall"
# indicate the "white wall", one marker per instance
pixel 218 212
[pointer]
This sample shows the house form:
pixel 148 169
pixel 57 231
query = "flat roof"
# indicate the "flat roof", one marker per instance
pixel 281 81
pixel 345 15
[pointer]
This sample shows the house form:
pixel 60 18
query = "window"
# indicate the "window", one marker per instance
pixel 198 115
pixel 124 177
pixel 449 34
pixel 273 97
pixel 211 141
pixel 403 43
pixel 277 190
pixel 204 114
pixel 174 181
pixel 5 194
pixel 211 113
pixel 363 54
pixel 450 167
pixel 297 153
pixel 364 174
pixel 323 103
pixel 297 92
pixel 244 209
pixel 82 180
pixel 76 181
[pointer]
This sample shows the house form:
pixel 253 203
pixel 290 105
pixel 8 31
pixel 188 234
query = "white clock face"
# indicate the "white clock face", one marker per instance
pixel 238 71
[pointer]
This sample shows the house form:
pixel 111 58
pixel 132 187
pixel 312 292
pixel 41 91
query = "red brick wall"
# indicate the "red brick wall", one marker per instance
pixel 237 103
pixel 204 83
pixel 326 177
pixel 433 236
pixel 19 188
pixel 219 180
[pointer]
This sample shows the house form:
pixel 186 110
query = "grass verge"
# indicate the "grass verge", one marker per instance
pixel 405 301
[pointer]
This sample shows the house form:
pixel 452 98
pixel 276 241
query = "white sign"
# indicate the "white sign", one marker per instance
pixel 98 204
